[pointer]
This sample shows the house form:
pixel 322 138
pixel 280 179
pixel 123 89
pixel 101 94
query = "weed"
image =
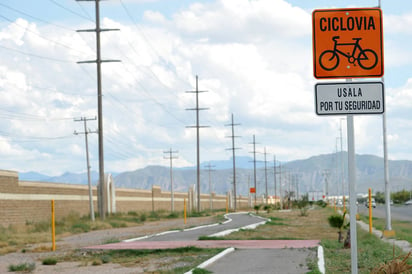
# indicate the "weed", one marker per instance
pixel 143 217
pixel 201 271
pixel 173 215
pixel 118 224
pixel 106 258
pixel 111 241
pixel 97 262
pixel 132 213
pixel 41 227
pixel 49 261
pixel 80 227
pixel 154 215
pixel 210 238
pixel 27 267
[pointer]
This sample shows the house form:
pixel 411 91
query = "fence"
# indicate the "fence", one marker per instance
pixel 22 202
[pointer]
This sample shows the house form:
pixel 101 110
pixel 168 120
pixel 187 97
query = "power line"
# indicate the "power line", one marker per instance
pixel 34 17
pixel 71 11
pixel 41 36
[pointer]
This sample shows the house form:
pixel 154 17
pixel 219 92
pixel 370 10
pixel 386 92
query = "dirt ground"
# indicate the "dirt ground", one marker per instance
pixel 68 245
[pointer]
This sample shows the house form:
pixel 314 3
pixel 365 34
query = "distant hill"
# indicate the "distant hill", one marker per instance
pixel 300 176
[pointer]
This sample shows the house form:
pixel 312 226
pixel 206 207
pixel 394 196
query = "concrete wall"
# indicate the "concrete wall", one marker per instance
pixel 22 202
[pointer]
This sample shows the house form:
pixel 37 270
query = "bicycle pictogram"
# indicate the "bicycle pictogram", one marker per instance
pixel 365 58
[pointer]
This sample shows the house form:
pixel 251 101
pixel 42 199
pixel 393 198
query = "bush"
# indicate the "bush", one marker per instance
pixel 257 208
pixel 336 220
pixel 321 203
pixel 26 267
pixel 268 208
pixel 49 261
pixel 106 259
pixel 173 215
pixel 117 224
pixel 143 217
pixel 80 227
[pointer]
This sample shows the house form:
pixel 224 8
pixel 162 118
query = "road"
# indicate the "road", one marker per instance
pixel 398 212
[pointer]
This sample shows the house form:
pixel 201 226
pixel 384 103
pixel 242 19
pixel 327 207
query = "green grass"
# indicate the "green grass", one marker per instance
pixel 371 253
pixel 49 261
pixel 25 267
pixel 179 260
pixel 403 229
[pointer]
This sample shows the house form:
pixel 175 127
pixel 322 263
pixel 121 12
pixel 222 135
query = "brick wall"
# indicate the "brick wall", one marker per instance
pixel 22 202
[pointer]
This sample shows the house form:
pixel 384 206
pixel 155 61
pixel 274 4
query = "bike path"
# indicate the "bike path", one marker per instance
pixel 240 256
pixel 235 221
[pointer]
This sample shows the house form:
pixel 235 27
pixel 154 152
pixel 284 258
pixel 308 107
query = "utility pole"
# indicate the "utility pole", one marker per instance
pixel 266 178
pixel 171 157
pixel 274 175
pixel 86 132
pixel 209 167
pixel 98 61
pixel 280 186
pixel 197 109
pixel 254 165
pixel 233 157
pixel 325 174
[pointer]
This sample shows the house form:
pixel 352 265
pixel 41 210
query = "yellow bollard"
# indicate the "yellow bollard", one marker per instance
pixel 53 227
pixel 184 209
pixel 370 210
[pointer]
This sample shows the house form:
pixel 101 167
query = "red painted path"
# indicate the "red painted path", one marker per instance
pixel 241 244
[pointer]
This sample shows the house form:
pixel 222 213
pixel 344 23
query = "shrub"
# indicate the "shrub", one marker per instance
pixel 268 208
pixel 80 227
pixel 173 215
pixel 106 259
pixel 143 217
pixel 257 208
pixel 49 261
pixel 27 267
pixel 118 224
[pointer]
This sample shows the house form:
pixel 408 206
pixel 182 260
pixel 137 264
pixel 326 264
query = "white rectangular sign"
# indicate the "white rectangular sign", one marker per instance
pixel 349 98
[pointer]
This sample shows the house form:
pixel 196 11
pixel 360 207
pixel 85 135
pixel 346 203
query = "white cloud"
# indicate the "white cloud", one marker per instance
pixel 253 57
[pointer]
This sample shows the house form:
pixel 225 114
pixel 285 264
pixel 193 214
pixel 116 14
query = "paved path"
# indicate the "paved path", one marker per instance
pixel 246 256
pixel 239 244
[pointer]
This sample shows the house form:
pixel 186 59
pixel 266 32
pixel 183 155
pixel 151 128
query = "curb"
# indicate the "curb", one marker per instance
pixel 213 259
pixel 228 220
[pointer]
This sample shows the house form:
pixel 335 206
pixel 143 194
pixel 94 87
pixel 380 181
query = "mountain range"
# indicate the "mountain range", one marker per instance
pixel 317 174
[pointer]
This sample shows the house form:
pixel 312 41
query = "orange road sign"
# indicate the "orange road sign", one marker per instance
pixel 347 43
pixel 252 190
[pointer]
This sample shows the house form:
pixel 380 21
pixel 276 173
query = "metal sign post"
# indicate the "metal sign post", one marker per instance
pixel 348 43
pixel 352 193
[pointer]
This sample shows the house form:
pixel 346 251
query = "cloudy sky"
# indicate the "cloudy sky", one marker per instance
pixel 254 59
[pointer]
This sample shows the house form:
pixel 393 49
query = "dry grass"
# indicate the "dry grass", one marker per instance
pixel 291 225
